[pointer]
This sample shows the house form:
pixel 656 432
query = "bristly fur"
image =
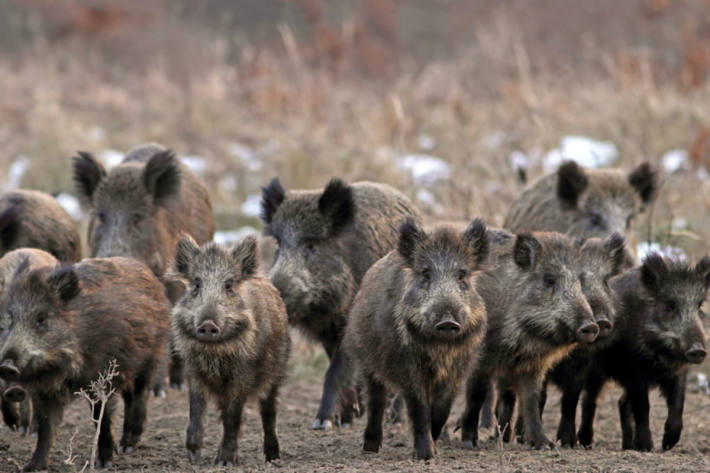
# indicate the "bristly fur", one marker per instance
pixel 571 182
pixel 337 203
pixel 66 283
pixel 410 236
pixel 88 172
pixel 246 255
pixel 526 250
pixel 161 176
pixel 475 235
pixel 272 196
pixel 186 250
pixel 645 180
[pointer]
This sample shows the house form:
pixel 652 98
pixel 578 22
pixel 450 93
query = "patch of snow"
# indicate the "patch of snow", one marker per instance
pixel 426 142
pixel 584 151
pixel 426 196
pixel 228 183
pixel 227 237
pixel 425 169
pixel 17 170
pixel 519 160
pixel 96 133
pixel 248 157
pixel 111 157
pixel 645 248
pixel 701 383
pixel 196 164
pixel 71 205
pixel 252 206
pixel 675 160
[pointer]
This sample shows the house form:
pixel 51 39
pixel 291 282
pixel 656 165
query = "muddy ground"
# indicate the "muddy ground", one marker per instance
pixel 303 450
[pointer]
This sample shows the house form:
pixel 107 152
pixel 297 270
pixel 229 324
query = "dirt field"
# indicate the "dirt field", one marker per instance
pixel 303 450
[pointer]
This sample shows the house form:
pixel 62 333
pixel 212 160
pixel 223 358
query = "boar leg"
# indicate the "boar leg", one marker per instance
pixel 49 416
pixel 267 408
pixel 530 410
pixel 627 422
pixel 10 414
pixel 28 423
pixel 231 422
pixel 198 409
pixel 674 392
pixel 477 386
pixel 105 450
pixel 520 424
pixel 376 403
pixel 487 416
pixel 134 402
pixel 568 411
pixel 592 386
pixel 506 406
pixel 175 370
pixel 638 397
pixel 420 415
pixel 330 386
pixel 440 410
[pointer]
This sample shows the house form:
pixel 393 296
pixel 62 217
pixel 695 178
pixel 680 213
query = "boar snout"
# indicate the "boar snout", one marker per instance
pixel 208 331
pixel 695 354
pixel 587 332
pixel 448 326
pixel 605 326
pixel 8 370
pixel 14 394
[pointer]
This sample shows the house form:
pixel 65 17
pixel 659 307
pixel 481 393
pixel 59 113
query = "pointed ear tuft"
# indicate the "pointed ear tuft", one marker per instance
pixel 702 269
pixel 477 239
pixel 65 282
pixel 336 202
pixel 572 180
pixel 10 224
pixel 271 197
pixel 644 180
pixel 246 255
pixel 410 236
pixel 653 271
pixel 526 251
pixel 161 176
pixel 185 252
pixel 88 173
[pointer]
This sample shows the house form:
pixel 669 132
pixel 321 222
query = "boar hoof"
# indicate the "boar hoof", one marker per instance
pixel 177 386
pixel 223 463
pixel 193 455
pixel 35 465
pixel 469 445
pixel 125 450
pixel 102 463
pixel 322 424
pixel 160 393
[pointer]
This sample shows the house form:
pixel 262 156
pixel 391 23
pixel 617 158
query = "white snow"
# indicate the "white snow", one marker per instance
pixel 426 142
pixel 425 169
pixel 426 196
pixel 587 152
pixel 228 183
pixel 227 237
pixel 196 164
pixel 645 248
pixel 111 157
pixel 17 170
pixel 519 160
pixel 71 205
pixel 675 160
pixel 248 157
pixel 252 206
pixel 96 133
pixel 701 383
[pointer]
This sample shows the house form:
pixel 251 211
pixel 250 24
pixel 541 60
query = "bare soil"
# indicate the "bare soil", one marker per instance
pixel 162 448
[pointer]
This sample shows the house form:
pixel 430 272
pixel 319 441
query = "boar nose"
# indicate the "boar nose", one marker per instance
pixel 208 331
pixel 695 354
pixel 588 332
pixel 8 370
pixel 14 394
pixel 605 326
pixel 448 326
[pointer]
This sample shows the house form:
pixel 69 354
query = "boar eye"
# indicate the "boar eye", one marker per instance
pixel 462 275
pixel 196 286
pixel 549 281
pixel 426 274
pixel 41 319
pixel 670 306
pixel 596 220
pixel 700 304
pixel 101 216
pixel 229 285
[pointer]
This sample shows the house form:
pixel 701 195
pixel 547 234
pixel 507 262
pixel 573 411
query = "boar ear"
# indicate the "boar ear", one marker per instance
pixel 410 236
pixel 644 180
pixel 88 172
pixel 246 255
pixel 572 180
pixel 161 176
pixel 703 270
pixel 526 251
pixel 271 197
pixel 186 250
pixel 653 270
pixel 65 282
pixel 477 239
pixel 9 224
pixel 174 289
pixel 337 203
pixel 615 246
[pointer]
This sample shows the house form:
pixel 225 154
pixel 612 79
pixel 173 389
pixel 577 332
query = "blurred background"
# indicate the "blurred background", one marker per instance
pixel 444 99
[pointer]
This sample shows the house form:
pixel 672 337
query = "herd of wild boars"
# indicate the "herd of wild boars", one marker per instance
pixel 419 313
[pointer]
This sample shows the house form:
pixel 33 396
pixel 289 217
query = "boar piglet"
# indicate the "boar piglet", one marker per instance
pixel 658 335
pixel 16 408
pixel 34 219
pixel 537 314
pixel 601 260
pixel 140 208
pixel 66 324
pixel 231 328
pixel 585 202
pixel 415 327
pixel 327 239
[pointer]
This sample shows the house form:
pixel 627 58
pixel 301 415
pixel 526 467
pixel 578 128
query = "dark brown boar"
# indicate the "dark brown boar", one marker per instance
pixel 231 328
pixel 327 239
pixel 659 334
pixel 585 202
pixel 537 314
pixel 34 219
pixel 415 326
pixel 17 413
pixel 140 208
pixel 66 324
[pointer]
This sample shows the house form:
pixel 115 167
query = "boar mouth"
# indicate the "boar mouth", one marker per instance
pixel 445 335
